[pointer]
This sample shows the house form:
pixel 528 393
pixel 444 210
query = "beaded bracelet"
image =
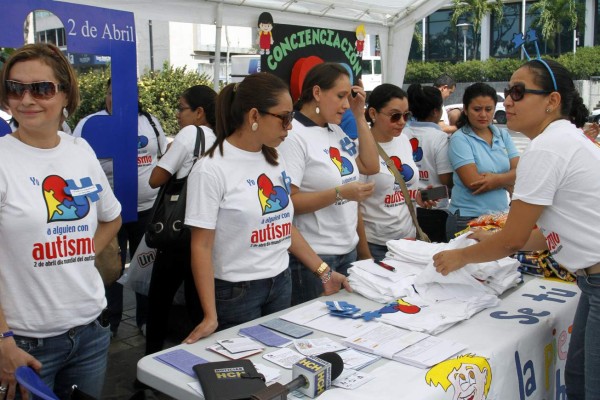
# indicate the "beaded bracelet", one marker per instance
pixel 6 334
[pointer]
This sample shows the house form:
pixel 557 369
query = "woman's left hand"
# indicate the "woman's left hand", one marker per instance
pixel 337 282
pixel 448 261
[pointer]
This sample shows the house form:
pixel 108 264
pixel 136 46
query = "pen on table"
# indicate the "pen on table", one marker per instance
pixel 386 266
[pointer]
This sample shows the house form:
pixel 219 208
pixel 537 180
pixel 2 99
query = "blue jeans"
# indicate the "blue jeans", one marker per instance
pixel 305 285
pixel 76 357
pixel 239 302
pixel 582 371
pixel 377 251
pixel 456 223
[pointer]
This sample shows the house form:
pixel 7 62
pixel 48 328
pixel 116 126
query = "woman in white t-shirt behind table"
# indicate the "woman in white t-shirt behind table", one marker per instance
pixel 196 108
pixel 385 214
pixel 241 214
pixel 324 165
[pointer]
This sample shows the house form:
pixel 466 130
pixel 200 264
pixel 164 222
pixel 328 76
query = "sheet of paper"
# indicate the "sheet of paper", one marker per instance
pixel 338 326
pixel 307 313
pixel 196 388
pixel 239 344
pixel 354 359
pixel 429 352
pixel 217 348
pixel 181 360
pixel 271 373
pixel 311 347
pixel 350 379
pixel 384 340
pixel 285 357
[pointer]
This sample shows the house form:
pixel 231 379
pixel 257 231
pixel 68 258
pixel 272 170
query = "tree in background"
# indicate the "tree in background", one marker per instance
pixel 553 14
pixel 475 11
pixel 159 93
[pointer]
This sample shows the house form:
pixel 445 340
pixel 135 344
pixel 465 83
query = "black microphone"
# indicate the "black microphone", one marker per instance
pixel 312 376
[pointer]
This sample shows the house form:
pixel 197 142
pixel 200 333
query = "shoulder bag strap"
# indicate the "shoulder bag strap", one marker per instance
pixel 407 200
pixel 199 146
pixel 147 115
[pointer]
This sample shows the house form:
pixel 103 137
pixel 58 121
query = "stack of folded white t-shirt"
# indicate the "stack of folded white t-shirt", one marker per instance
pixel 495 276
pixel 378 284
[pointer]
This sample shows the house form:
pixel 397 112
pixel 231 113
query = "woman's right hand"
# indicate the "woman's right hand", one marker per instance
pixel 202 330
pixel 357 191
pixel 12 357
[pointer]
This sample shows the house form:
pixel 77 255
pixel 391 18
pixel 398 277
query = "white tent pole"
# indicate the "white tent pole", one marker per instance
pixel 217 62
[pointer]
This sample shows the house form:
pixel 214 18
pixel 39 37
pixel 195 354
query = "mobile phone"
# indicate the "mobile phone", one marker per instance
pixel 434 193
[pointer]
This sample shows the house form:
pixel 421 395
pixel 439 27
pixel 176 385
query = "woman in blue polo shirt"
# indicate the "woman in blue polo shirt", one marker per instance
pixel 484 159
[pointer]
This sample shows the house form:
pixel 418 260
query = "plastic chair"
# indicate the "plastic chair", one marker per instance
pixel 29 379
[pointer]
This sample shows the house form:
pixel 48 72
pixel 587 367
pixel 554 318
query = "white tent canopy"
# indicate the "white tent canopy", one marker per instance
pixel 392 20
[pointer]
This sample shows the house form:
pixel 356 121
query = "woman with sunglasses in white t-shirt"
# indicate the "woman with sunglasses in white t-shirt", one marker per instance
pixel 554 205
pixel 57 211
pixel 385 214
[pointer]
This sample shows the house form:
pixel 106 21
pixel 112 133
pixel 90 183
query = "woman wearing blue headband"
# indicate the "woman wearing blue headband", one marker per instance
pixel 557 190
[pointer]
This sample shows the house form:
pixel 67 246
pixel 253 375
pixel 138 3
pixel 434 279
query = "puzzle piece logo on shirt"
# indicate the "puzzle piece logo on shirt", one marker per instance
pixel 272 198
pixel 342 163
pixel 142 141
pixel 405 170
pixel 417 150
pixel 66 201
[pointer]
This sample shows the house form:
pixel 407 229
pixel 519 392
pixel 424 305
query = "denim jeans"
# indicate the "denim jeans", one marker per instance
pixel 582 371
pixel 377 251
pixel 305 285
pixel 76 357
pixel 239 302
pixel 456 223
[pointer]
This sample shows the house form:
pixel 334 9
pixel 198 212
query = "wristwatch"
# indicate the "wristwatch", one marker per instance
pixel 320 272
pixel 322 268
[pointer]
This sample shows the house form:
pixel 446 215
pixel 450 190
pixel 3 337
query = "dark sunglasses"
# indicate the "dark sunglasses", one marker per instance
pixel 43 90
pixel 395 117
pixel 286 118
pixel 517 92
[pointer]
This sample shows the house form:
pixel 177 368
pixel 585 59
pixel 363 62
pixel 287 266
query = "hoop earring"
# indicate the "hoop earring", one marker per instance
pixel 254 127
pixel 65 112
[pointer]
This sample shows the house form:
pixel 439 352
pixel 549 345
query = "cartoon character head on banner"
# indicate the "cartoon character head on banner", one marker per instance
pixel 265 36
pixel 361 34
pixel 469 375
pixel 294 50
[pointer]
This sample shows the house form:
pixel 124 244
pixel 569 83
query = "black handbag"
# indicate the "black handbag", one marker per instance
pixel 166 229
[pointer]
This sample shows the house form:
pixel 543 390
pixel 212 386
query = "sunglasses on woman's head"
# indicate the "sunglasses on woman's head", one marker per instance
pixel 43 90
pixel 395 117
pixel 286 118
pixel 518 90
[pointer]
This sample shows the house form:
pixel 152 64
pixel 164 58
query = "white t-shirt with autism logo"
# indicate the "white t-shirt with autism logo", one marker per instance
pixel 430 152
pixel 559 170
pixel 321 158
pixel 246 201
pixel 50 203
pixel 180 157
pixel 385 214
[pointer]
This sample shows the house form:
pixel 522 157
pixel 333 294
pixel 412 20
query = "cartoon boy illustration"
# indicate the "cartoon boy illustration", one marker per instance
pixel 469 375
pixel 265 37
pixel 361 34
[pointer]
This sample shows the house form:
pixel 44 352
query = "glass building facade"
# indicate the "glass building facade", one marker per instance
pixel 444 42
